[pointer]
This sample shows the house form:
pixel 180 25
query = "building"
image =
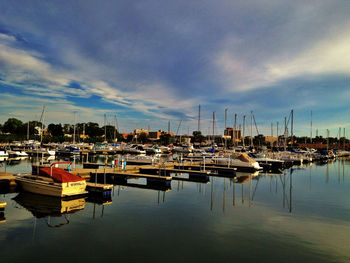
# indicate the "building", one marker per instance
pixel 271 139
pixel 230 133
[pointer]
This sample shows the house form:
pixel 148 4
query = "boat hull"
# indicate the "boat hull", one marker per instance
pixel 51 188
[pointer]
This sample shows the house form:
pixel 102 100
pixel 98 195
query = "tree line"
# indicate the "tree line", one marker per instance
pixel 15 129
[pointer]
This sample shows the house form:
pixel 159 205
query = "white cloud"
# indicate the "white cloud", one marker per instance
pixel 29 72
pixel 328 56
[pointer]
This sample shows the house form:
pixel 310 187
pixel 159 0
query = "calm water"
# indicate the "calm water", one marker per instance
pixel 300 216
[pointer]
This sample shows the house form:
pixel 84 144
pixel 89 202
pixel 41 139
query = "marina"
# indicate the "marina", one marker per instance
pixel 174 131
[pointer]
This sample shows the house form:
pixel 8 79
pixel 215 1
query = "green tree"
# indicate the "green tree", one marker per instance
pixel 198 137
pixel 129 138
pixel 14 126
pixel 143 137
pixel 92 129
pixel 56 130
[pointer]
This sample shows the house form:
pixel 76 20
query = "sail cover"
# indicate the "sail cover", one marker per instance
pixel 59 175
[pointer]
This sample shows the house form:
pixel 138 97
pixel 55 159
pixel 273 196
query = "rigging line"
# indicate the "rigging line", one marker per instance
pixel 256 127
pixel 290 114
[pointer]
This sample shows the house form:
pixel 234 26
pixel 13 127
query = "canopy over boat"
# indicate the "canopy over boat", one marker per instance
pixel 59 175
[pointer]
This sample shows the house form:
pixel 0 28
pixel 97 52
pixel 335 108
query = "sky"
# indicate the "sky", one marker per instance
pixel 150 62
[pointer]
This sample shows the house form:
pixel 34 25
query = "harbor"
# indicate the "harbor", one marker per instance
pixel 220 188
pixel 174 131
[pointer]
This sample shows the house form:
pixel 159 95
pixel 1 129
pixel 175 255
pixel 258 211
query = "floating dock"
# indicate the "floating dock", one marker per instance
pixel 98 188
pixel 194 170
pixel 123 176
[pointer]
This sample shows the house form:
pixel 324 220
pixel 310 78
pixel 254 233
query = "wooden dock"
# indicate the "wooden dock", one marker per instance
pixel 220 170
pixel 195 170
pixel 96 187
pixel 123 176
pixel 163 188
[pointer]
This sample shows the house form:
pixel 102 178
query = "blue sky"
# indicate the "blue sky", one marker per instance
pixel 149 62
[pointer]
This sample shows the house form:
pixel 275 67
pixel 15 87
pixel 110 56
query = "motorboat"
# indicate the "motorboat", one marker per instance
pixel 69 150
pixel 153 149
pixel 134 149
pixel 241 162
pixel 17 153
pixel 3 153
pixel 53 181
pixel 268 163
pixel 182 149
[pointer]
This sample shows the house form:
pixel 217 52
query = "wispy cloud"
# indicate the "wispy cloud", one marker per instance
pixel 159 60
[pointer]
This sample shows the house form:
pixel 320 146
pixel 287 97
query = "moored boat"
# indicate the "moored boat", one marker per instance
pixel 53 181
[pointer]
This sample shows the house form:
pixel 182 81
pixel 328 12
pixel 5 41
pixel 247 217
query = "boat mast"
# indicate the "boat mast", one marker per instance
pixel 28 131
pixel 225 118
pixel 42 124
pixel 311 128
pixel 327 140
pixel 271 134
pixel 291 132
pixel 75 121
pixel 115 127
pixel 243 131
pixel 199 118
pixel 251 129
pixel 234 131
pixel 225 127
pixel 104 121
pixel 285 133
pixel 277 135
pixel 213 127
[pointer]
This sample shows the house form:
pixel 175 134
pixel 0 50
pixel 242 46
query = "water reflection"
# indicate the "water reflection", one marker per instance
pixel 46 206
pixel 303 210
pixel 245 187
